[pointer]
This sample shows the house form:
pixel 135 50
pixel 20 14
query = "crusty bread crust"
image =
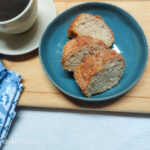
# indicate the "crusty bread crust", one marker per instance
pixel 76 44
pixel 71 33
pixel 93 64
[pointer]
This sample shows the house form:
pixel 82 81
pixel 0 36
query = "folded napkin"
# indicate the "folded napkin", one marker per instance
pixel 10 89
pixel 3 71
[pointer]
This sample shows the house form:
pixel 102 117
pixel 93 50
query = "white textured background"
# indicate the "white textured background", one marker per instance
pixel 36 129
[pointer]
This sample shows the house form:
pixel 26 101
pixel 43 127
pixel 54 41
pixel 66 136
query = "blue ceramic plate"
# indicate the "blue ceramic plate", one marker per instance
pixel 129 38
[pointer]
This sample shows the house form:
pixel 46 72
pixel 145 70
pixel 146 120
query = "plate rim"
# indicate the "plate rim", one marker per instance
pixel 102 98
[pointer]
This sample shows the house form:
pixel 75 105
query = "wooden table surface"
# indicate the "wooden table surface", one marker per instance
pixel 40 92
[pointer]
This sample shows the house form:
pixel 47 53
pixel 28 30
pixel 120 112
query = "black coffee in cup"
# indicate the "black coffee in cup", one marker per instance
pixel 11 8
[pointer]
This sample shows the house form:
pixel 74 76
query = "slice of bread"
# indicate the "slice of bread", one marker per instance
pixel 76 49
pixel 100 72
pixel 94 26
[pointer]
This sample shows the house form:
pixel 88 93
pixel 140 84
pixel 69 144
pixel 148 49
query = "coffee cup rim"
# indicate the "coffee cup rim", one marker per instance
pixel 19 15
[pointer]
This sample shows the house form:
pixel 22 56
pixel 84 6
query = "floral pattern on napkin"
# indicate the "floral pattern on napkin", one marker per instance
pixel 10 89
pixel 3 71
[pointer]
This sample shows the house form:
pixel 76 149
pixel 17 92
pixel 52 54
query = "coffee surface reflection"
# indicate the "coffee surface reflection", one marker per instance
pixel 11 8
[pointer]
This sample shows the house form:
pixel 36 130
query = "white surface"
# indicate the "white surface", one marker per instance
pixel 115 47
pixel 52 130
pixel 29 41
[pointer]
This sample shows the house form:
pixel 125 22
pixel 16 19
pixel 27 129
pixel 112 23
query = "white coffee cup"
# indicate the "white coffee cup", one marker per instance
pixel 22 22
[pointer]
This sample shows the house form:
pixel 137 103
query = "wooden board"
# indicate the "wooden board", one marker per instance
pixel 40 92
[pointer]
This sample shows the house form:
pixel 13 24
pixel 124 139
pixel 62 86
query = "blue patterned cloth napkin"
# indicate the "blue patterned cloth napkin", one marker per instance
pixel 10 89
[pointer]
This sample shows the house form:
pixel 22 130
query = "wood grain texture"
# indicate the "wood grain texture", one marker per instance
pixel 39 91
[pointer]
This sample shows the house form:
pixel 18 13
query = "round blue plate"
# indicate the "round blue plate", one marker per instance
pixel 129 38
